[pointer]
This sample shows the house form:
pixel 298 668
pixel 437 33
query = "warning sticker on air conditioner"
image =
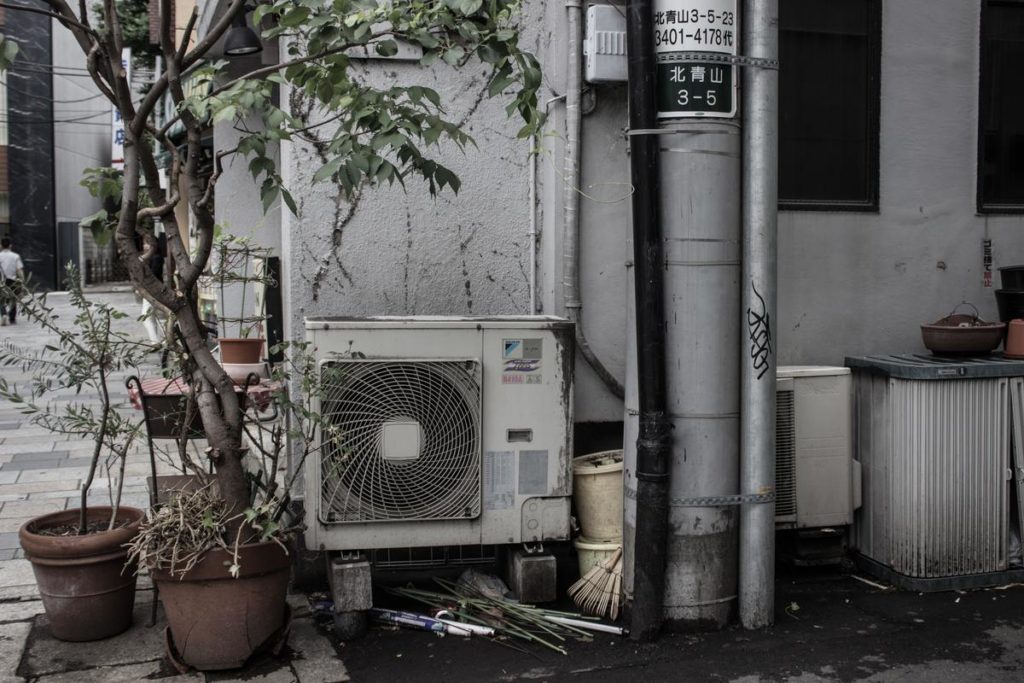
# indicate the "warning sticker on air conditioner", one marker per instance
pixel 522 361
pixel 499 480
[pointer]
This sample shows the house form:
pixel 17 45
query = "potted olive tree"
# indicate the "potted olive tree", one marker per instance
pixel 78 556
pixel 371 134
pixel 223 584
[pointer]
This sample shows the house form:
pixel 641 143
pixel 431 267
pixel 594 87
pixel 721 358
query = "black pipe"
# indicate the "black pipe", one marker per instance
pixel 654 441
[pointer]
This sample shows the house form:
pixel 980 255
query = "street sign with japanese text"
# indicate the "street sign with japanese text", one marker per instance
pixel 687 85
pixel 116 120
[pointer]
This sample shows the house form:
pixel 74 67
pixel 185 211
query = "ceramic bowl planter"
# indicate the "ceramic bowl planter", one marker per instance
pixel 217 621
pixel 239 350
pixel 88 592
pixel 959 334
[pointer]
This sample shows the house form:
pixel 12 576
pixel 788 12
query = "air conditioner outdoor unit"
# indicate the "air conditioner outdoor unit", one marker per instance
pixel 441 431
pixel 817 481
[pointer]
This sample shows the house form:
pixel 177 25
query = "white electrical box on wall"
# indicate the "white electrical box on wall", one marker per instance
pixel 604 46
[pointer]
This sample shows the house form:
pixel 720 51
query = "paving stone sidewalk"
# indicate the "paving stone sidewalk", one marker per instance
pixel 41 472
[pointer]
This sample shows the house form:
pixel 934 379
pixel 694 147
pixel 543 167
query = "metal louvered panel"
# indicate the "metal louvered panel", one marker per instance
pixel 785 457
pixel 405 442
pixel 935 457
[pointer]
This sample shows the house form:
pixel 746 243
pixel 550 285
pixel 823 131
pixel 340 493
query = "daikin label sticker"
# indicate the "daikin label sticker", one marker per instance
pixel 687 87
pixel 522 361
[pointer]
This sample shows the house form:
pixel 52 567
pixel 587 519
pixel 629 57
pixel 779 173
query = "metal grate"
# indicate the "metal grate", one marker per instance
pixel 434 472
pixel 433 557
pixel 785 456
pixel 935 458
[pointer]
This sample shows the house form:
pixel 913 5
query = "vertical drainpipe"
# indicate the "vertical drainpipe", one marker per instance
pixel 571 199
pixel 651 469
pixel 758 358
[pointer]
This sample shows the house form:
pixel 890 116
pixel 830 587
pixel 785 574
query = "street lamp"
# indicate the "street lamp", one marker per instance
pixel 241 40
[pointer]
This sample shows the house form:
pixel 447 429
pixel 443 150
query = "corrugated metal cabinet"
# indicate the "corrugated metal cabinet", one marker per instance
pixel 933 440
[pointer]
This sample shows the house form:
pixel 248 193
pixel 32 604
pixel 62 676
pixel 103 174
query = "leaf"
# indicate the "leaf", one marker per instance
pixel 289 201
pixel 327 170
pixel 294 17
pixel 225 113
pixel 387 48
pixel 498 84
pixel 8 51
pixel 454 55
pixel 269 193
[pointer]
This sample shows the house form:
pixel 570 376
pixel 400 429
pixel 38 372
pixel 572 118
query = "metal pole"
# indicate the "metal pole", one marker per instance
pixel 653 444
pixel 760 210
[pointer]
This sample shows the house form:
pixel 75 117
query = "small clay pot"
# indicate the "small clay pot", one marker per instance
pixel 241 350
pixel 1015 339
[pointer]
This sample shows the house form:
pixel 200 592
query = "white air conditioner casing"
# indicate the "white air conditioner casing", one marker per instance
pixel 816 479
pixel 446 432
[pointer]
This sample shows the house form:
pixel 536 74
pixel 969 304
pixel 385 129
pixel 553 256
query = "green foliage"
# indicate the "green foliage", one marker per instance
pixel 8 51
pixel 377 134
pixel 106 185
pixel 133 16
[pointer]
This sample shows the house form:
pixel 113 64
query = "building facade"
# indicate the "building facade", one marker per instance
pixel 53 124
pixel 901 190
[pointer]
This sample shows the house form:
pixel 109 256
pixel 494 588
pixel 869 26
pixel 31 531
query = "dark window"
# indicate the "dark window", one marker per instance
pixel 1001 108
pixel 828 104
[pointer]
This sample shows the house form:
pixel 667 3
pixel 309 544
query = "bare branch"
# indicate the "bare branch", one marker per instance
pixel 69 21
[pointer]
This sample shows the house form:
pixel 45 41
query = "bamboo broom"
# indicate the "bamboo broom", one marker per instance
pixel 599 591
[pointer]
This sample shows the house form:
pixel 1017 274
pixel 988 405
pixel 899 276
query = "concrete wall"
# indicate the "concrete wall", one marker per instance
pixel 861 283
pixel 81 139
pixel 82 136
pixel 395 251
pixel 850 283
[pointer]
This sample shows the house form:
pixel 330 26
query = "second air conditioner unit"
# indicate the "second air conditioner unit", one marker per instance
pixel 441 431
pixel 817 481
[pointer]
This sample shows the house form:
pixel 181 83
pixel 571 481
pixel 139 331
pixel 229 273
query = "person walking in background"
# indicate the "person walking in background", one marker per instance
pixel 12 270
pixel 150 320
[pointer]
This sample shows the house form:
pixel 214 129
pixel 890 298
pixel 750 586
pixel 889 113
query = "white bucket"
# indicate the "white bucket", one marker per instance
pixel 597 486
pixel 590 553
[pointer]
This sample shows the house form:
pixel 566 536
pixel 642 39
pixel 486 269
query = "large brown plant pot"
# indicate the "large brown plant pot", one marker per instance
pixel 88 592
pixel 218 621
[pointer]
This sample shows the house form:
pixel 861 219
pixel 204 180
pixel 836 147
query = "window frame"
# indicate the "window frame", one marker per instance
pixel 984 80
pixel 873 115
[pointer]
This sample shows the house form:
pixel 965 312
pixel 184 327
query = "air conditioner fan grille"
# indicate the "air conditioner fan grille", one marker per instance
pixel 439 480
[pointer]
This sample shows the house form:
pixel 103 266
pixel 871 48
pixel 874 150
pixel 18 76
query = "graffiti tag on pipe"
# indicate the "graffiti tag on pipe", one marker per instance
pixel 759 329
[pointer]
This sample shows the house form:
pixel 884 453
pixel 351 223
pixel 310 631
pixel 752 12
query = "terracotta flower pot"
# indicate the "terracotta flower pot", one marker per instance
pixel 241 350
pixel 1015 339
pixel 218 621
pixel 87 591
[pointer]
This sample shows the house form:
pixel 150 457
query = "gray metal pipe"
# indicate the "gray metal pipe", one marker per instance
pixel 758 358
pixel 571 197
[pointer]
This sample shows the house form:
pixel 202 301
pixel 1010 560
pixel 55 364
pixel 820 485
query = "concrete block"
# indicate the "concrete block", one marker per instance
pixel 351 584
pixel 532 577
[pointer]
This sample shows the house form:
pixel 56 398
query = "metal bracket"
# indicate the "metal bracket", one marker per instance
pixel 715 501
pixel 677 131
pixel 738 60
